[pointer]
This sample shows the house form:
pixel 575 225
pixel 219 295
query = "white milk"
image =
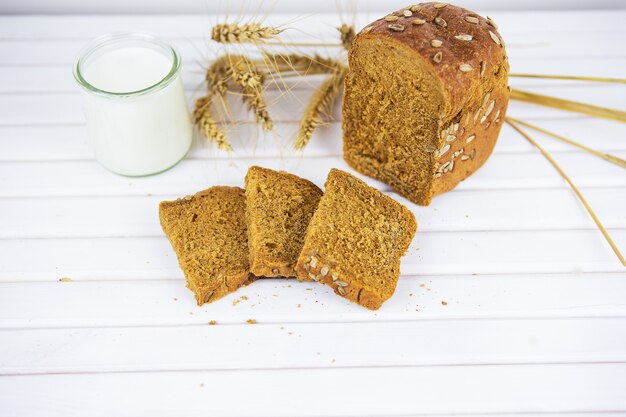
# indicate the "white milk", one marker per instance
pixel 139 121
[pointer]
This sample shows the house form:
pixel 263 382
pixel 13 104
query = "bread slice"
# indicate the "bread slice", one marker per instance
pixel 355 240
pixel 208 234
pixel 279 207
pixel 425 98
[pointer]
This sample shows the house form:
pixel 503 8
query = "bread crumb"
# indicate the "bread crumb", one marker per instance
pixel 299 305
pixel 444 303
pixel 212 323
pixel 235 302
pixel 243 297
pixel 422 285
pixel 65 279
pixel 251 321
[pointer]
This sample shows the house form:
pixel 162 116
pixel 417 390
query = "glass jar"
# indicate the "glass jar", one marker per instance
pixel 134 103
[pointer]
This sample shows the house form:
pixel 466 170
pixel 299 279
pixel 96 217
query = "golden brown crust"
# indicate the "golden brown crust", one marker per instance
pixel 466 54
pixel 455 49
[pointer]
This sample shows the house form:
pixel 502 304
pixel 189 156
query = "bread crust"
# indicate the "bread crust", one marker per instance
pixel 467 54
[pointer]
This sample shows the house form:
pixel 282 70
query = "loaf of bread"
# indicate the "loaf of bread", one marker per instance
pixel 279 206
pixel 425 98
pixel 208 234
pixel 355 240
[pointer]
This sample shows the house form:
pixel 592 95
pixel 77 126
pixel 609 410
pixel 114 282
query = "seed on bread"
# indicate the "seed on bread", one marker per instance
pixel 495 38
pixel 464 37
pixel 407 13
pixel 417 22
pixel 440 21
pixel 438 57
pixel 396 27
pixel 443 150
pixel 471 19
pixel 436 43
pixel 465 67
pixel 391 18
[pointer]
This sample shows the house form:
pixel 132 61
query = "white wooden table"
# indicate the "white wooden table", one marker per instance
pixel 535 320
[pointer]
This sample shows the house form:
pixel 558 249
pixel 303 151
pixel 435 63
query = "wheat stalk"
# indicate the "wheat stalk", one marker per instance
pixel 207 125
pixel 574 187
pixel 607 157
pixel 571 77
pixel 321 102
pixel 573 106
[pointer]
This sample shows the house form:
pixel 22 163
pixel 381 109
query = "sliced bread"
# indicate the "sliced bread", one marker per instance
pixel 279 207
pixel 208 234
pixel 355 240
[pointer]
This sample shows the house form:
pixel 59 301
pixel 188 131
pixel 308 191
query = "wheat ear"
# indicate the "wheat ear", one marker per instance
pixel 347 34
pixel 208 126
pixel 574 187
pixel 299 64
pixel 246 75
pixel 243 33
pixel 321 102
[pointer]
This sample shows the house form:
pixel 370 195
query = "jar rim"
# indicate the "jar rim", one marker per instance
pixel 117 37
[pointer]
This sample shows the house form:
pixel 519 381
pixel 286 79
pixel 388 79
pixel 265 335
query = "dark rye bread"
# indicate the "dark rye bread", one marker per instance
pixel 279 207
pixel 425 98
pixel 208 234
pixel 355 240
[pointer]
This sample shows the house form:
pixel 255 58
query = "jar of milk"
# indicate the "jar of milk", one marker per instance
pixel 134 102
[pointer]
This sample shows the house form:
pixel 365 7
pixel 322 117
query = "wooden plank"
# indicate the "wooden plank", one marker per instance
pixel 315 345
pixel 87 178
pixel 361 391
pixel 49 143
pixel 484 210
pixel 432 253
pixel 85 304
